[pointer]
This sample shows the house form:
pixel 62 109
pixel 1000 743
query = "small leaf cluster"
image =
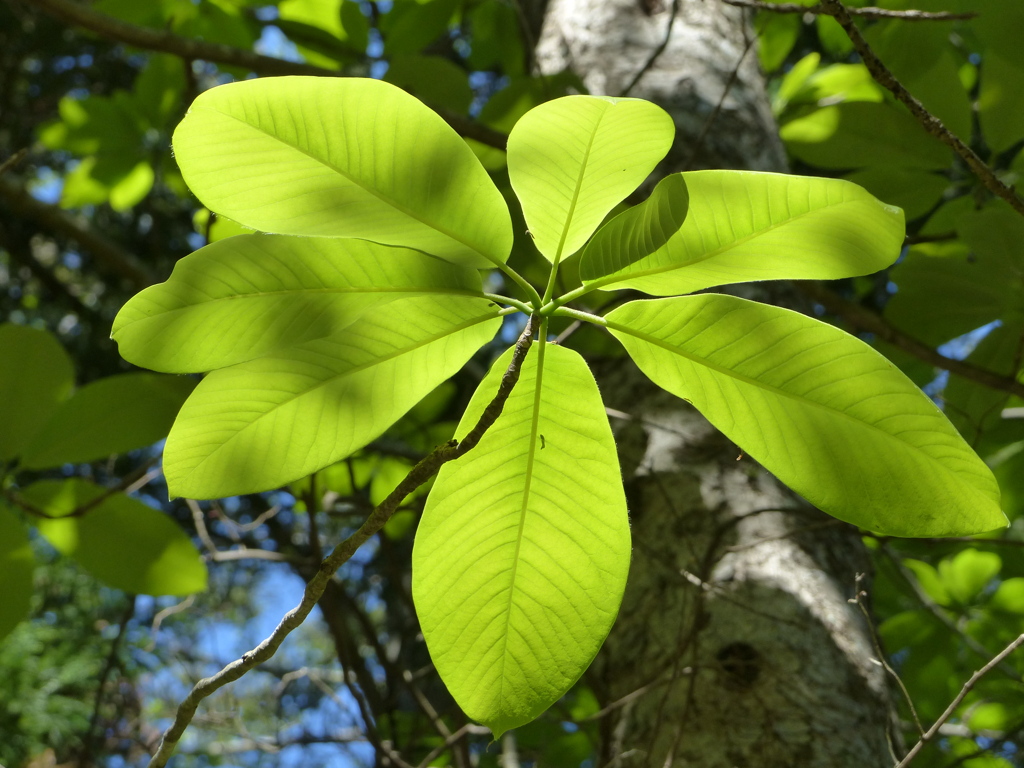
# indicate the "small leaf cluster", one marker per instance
pixel 46 424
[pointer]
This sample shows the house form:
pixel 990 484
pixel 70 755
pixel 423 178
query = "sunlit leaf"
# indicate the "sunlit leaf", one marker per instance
pixel 709 228
pixel 35 376
pixel 521 555
pixel 16 566
pixel 968 572
pixel 272 420
pixel 243 297
pixel 111 415
pixel 119 540
pixel 820 409
pixel 573 159
pixel 343 157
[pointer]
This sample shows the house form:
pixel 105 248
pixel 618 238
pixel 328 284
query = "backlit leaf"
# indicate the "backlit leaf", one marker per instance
pixel 112 415
pixel 573 159
pixel 709 228
pixel 824 412
pixel 272 420
pixel 121 541
pixel 35 376
pixel 345 157
pixel 244 297
pixel 522 553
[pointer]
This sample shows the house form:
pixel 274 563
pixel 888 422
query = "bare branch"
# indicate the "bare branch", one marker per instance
pixel 13 160
pixel 866 320
pixel 190 49
pixel 928 121
pixel 109 256
pixel 865 13
pixel 968 687
pixel 314 590
pixel 656 53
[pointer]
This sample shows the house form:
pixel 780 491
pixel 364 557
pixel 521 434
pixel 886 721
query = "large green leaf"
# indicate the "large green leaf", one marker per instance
pixel 268 421
pixel 120 540
pixel 521 556
pixel 345 157
pixel 111 415
pixel 244 297
pixel 710 228
pixel 573 159
pixel 824 412
pixel 16 566
pixel 35 376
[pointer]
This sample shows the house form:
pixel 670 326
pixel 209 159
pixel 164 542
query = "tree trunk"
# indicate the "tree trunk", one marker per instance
pixel 736 644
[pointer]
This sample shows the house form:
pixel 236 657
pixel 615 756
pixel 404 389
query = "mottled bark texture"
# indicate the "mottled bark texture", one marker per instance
pixel 736 645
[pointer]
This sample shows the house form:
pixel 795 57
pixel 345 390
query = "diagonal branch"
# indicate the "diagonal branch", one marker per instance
pixel 108 254
pixel 79 15
pixel 868 321
pixel 419 474
pixel 821 9
pixel 932 732
pixel 928 121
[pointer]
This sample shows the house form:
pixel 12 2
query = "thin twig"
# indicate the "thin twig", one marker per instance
pixel 13 160
pixel 342 553
pixel 733 76
pixel 858 600
pixel 189 49
pixel 936 610
pixel 866 320
pixel 225 555
pixel 866 13
pixel 968 687
pixel 166 613
pixel 656 52
pixel 928 121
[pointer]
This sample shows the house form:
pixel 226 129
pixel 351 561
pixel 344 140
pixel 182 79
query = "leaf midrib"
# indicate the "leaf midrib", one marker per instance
pixel 358 183
pixel 530 461
pixel 622 274
pixel 579 185
pixel 347 372
pixel 782 393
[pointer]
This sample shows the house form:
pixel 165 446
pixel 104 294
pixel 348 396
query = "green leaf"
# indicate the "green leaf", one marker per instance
pixel 1009 596
pixel 521 556
pixel 947 289
pixel 929 581
pixel 966 574
pixel 916 192
pixel 435 80
pixel 740 226
pixel 1000 108
pixel 345 157
pixel 111 415
pixel 820 409
pixel 857 134
pixel 777 33
pixel 268 421
pixel 573 159
pixel 244 297
pixel 923 60
pixel 16 566
pixel 121 541
pixel 35 376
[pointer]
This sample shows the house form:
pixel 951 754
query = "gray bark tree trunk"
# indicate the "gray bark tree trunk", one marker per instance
pixel 736 644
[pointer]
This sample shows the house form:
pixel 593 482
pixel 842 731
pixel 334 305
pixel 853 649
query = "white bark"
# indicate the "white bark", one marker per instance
pixel 736 645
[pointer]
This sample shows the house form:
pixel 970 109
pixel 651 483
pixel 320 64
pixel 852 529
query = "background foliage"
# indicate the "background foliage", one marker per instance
pixel 97 209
